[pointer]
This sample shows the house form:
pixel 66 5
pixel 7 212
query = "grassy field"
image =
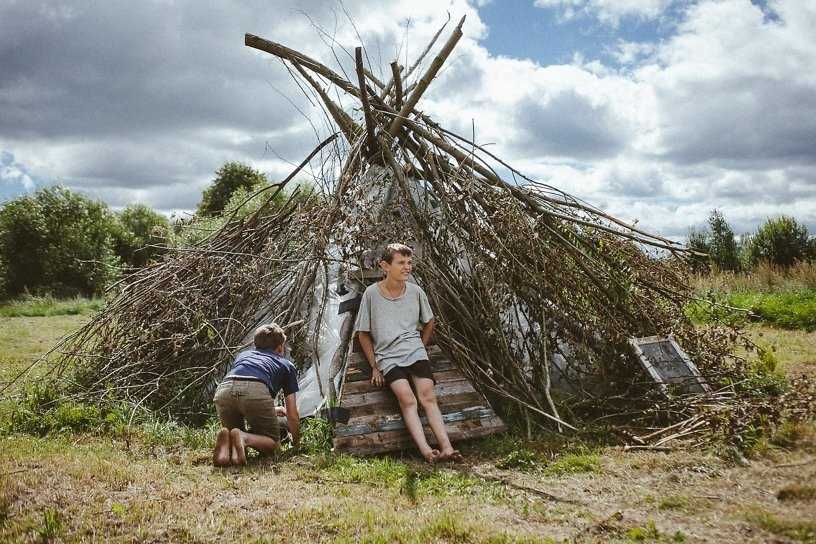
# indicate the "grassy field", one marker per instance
pixel 157 485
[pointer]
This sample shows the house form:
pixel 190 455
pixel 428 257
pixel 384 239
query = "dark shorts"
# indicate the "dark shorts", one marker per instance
pixel 419 369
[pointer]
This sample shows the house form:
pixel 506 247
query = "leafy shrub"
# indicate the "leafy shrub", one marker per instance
pixel 141 235
pixel 228 179
pixel 782 241
pixel 42 410
pixel 56 241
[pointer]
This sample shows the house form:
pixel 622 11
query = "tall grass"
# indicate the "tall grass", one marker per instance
pixel 785 297
pixel 764 278
pixel 47 306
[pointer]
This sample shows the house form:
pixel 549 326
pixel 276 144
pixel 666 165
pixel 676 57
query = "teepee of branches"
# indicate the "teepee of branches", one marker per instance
pixel 532 287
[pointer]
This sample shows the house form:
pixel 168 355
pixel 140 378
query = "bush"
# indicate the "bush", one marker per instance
pixel 56 241
pixel 228 179
pixel 243 202
pixel 141 231
pixel 781 241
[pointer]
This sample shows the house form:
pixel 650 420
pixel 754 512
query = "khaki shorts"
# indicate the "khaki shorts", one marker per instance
pixel 241 402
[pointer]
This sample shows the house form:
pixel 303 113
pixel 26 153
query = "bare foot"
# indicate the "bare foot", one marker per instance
pixel 221 452
pixel 238 447
pixel 431 455
pixel 451 455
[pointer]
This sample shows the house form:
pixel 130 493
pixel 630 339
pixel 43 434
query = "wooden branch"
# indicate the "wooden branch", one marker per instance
pixel 374 79
pixel 433 69
pixel 427 49
pixel 371 140
pixel 283 52
pixel 395 74
pixel 343 120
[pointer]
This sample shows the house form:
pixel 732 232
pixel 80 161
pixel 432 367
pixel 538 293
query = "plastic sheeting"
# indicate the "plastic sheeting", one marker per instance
pixel 312 392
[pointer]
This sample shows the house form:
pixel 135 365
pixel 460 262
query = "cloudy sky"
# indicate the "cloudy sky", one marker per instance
pixel 655 110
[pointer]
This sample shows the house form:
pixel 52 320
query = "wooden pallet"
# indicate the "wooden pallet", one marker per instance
pixel 375 424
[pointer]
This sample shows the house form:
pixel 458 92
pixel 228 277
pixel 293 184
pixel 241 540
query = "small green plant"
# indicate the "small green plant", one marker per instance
pixel 316 435
pixel 52 525
pixel 521 459
pixel 574 463
pixel 642 534
pixel 673 502
pixel 118 509
pixel 409 487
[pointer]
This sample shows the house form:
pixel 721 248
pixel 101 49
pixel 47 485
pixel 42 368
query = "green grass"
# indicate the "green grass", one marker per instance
pixel 673 502
pixel 574 463
pixel 798 530
pixel 49 306
pixel 788 310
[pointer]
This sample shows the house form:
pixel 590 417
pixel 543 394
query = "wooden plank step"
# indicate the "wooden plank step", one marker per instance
pixel 382 442
pixel 379 424
pixel 380 395
pixel 449 403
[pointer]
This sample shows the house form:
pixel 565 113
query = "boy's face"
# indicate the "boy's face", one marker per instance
pixel 400 267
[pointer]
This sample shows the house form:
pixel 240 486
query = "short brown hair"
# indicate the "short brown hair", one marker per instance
pixel 392 249
pixel 269 336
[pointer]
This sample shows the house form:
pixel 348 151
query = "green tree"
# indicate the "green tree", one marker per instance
pixel 228 179
pixel 56 241
pixel 700 241
pixel 142 231
pixel 723 246
pixel 782 241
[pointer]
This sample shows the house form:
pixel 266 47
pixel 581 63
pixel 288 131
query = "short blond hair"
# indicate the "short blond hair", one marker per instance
pixel 269 336
pixel 392 249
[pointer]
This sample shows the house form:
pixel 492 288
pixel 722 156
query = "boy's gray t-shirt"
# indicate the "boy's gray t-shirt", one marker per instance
pixel 394 325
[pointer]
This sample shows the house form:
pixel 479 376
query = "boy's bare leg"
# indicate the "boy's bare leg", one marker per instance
pixel 408 407
pixel 221 452
pixel 427 397
pixel 242 439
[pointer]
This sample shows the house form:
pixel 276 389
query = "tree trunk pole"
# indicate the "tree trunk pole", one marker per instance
pixel 433 69
pixel 371 140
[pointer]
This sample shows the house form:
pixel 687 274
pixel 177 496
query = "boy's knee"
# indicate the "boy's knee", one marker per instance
pixel 407 401
pixel 427 398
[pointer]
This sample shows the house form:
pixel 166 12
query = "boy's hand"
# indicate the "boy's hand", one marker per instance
pixel 377 377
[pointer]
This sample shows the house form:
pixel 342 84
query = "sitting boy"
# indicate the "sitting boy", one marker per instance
pixel 246 396
pixel 389 320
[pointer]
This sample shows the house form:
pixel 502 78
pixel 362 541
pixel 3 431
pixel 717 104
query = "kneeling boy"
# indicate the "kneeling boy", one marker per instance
pixel 394 324
pixel 245 399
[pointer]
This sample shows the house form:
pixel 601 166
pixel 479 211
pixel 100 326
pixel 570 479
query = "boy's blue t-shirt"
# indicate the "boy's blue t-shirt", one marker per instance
pixel 268 366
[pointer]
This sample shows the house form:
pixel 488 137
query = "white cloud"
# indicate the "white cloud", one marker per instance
pixel 722 113
pixel 607 11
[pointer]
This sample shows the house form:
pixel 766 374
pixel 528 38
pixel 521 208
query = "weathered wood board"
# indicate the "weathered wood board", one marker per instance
pixel 668 364
pixel 375 424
